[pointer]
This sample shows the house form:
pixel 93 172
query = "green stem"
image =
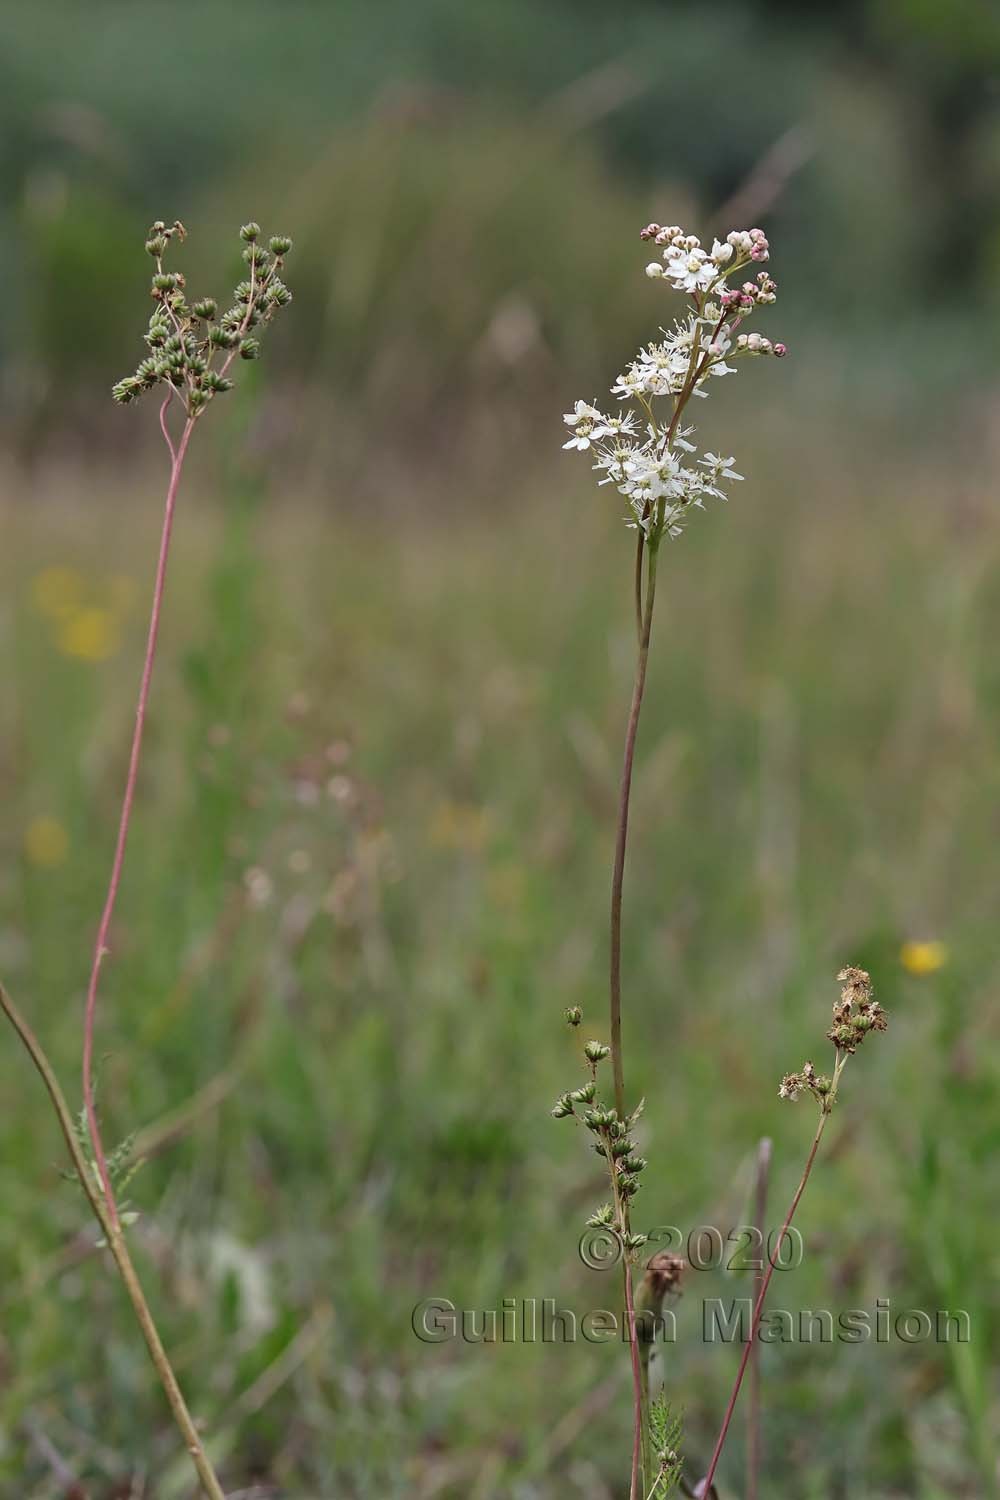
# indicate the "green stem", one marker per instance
pixel 119 1250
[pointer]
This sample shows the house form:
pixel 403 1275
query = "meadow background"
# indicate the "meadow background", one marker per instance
pixel 371 856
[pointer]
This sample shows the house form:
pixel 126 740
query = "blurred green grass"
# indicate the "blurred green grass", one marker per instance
pixel 370 868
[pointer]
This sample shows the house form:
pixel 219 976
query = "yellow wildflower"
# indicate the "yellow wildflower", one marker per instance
pixel 46 843
pixel 90 634
pixel 922 958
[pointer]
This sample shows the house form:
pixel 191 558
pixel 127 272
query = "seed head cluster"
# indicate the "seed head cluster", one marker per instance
pixel 855 1015
pixel 642 449
pixel 191 345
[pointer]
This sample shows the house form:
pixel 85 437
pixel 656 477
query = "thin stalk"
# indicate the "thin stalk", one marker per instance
pixel 101 944
pixel 754 1417
pixel 639 546
pixel 119 1250
pixel 639 1402
pixel 621 837
pixel 758 1311
pixel 639 1384
pixel 617 881
pixel 647 1446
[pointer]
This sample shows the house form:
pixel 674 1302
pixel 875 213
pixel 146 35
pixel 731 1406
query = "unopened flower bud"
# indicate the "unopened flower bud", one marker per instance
pixel 573 1014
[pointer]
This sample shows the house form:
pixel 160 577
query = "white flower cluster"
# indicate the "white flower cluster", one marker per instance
pixel 641 450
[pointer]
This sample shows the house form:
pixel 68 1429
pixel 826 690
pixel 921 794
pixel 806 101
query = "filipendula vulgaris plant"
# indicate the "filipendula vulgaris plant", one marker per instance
pixel 192 358
pixel 645 451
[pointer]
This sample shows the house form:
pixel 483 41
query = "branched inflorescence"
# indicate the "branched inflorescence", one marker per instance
pixel 642 450
pixel 192 348
pixel 612 1142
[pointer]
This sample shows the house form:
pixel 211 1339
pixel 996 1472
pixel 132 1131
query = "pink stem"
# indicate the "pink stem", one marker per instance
pixel 100 946
pixel 706 1484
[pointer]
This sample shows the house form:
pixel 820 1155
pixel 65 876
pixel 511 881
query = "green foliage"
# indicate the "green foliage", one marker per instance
pixel 665 1430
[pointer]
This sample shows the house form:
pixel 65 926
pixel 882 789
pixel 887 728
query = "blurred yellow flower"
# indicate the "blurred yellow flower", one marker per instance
pixel 90 634
pixel 85 614
pixel 57 592
pixel 46 843
pixel 923 957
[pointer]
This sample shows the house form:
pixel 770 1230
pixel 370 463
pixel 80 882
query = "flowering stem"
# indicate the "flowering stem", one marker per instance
pixel 617 881
pixel 825 1111
pixel 100 946
pixel 119 1250
pixel 621 839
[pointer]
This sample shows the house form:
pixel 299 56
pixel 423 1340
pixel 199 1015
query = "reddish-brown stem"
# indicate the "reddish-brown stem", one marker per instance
pixel 720 1442
pixel 754 1418
pixel 617 881
pixel 621 838
pixel 125 817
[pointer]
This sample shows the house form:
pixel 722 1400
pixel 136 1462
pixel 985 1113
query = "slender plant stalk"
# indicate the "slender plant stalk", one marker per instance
pixel 754 1419
pixel 617 882
pixel 639 549
pixel 119 1250
pixel 639 1403
pixel 621 836
pixel 100 947
pixel 758 1311
pixel 650 546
